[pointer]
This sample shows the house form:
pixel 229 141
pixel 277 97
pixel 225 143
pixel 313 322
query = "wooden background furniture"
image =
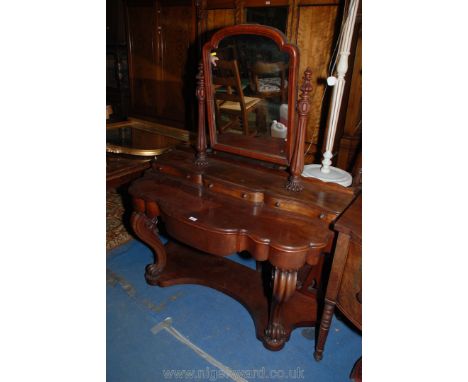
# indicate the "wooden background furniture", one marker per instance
pixel 218 202
pixel 130 146
pixel 162 58
pixel 344 288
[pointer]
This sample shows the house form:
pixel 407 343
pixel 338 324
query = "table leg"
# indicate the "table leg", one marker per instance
pixel 325 323
pixel 146 229
pixel 334 281
pixel 284 285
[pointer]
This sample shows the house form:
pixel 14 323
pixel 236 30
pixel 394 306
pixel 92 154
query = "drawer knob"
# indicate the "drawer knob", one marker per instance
pixel 277 204
pixel 210 185
pixel 244 195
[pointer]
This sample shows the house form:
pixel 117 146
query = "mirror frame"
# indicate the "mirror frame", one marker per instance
pixel 281 41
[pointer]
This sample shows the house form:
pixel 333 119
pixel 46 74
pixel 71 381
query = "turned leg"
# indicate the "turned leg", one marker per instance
pixel 334 281
pixel 146 229
pixel 325 323
pixel 284 285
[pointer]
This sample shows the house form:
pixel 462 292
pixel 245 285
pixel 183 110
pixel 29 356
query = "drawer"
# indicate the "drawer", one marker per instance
pixel 349 299
pixel 298 208
pixel 235 191
pixel 177 172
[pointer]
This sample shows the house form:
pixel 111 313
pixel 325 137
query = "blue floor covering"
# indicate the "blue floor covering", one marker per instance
pixel 214 322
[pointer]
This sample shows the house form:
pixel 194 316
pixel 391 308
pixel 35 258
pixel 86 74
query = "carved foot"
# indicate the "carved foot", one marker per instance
pixel 146 229
pixel 275 335
pixel 294 184
pixel 152 273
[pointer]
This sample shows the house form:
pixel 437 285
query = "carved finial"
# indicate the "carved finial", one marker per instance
pixel 201 140
pixel 303 108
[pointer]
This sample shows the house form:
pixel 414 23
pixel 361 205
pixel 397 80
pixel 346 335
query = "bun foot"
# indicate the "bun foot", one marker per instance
pixel 152 274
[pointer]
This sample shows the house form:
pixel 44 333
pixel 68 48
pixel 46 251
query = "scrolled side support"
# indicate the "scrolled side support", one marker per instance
pixel 284 285
pixel 146 230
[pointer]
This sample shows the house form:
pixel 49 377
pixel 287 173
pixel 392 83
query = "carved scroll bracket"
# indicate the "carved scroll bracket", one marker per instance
pixel 146 229
pixel 284 285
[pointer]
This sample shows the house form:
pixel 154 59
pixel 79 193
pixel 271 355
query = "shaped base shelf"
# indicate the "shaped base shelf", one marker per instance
pixel 188 266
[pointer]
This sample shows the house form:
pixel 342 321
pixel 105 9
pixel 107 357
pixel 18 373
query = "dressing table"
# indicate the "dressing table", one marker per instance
pixel 243 192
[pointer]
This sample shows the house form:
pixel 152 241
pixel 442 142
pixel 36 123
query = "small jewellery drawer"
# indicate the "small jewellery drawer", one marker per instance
pixel 236 192
pixel 297 207
pixel 174 171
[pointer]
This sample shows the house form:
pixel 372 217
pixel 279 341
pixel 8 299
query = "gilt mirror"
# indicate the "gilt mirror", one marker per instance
pixel 250 82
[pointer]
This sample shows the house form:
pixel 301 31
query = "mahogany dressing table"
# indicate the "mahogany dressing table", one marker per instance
pixel 242 193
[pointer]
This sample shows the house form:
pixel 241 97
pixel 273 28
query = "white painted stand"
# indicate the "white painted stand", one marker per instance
pixel 335 175
pixel 325 171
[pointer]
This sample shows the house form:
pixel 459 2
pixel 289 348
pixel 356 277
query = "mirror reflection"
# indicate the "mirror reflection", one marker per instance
pixel 250 88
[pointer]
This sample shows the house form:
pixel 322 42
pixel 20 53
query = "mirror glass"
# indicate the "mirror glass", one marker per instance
pixel 249 75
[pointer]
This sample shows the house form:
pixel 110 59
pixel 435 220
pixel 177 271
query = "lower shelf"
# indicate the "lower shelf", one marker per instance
pixel 186 265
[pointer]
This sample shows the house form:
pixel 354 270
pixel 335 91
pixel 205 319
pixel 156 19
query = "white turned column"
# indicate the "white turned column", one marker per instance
pixel 326 171
pixel 338 89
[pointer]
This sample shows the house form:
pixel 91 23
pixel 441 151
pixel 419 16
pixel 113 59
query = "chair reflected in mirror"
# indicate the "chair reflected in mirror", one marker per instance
pixel 269 80
pixel 232 107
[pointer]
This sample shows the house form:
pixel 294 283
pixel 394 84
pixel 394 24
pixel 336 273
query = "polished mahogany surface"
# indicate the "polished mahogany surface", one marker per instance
pixel 231 206
pixel 350 222
pixel 232 201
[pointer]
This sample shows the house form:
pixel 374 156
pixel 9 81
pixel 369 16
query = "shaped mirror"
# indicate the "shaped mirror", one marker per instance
pixel 250 76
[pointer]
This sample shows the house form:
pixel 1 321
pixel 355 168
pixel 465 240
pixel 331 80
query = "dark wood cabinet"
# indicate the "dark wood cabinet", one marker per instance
pixel 117 86
pixel 161 43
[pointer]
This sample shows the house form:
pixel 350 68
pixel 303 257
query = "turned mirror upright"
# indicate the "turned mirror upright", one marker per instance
pixel 248 80
pixel 238 196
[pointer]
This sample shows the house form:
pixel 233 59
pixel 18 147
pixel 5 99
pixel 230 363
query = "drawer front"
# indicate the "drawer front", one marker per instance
pixel 174 171
pixel 349 299
pixel 233 191
pixel 298 208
